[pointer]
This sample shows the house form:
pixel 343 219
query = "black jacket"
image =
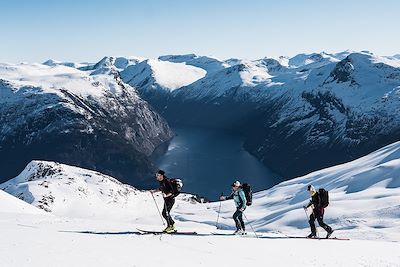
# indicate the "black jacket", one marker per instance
pixel 166 187
pixel 315 200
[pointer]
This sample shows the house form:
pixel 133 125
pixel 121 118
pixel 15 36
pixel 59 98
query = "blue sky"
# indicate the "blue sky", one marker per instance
pixel 87 30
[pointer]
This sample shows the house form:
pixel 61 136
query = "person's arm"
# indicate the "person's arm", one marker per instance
pixel 229 197
pixel 226 198
pixel 244 200
pixel 308 205
pixel 168 189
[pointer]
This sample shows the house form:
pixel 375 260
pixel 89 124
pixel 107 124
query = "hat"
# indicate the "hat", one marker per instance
pixel 311 188
pixel 237 183
pixel 161 172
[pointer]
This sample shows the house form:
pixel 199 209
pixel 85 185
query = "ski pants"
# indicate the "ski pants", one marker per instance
pixel 238 218
pixel 318 213
pixel 168 204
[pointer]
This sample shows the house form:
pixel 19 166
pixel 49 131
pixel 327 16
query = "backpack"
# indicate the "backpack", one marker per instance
pixel 177 185
pixel 248 193
pixel 323 198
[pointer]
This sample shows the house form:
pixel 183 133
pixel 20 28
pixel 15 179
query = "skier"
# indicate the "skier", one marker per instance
pixel 169 199
pixel 318 213
pixel 240 201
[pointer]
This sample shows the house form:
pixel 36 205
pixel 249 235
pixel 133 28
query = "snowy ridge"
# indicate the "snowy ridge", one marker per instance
pixel 50 79
pixel 167 75
pixel 79 193
pixel 209 64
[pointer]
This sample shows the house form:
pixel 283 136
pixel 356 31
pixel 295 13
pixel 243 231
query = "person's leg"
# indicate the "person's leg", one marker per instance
pixel 165 212
pixel 236 219
pixel 169 203
pixel 312 225
pixel 240 217
pixel 320 219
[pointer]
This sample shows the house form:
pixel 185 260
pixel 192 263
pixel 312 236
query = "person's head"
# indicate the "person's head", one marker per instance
pixel 236 185
pixel 160 174
pixel 311 190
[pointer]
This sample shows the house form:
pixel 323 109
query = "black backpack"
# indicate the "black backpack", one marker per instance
pixel 248 193
pixel 177 185
pixel 323 197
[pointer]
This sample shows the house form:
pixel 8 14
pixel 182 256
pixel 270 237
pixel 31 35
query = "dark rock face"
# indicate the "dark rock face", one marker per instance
pixel 343 70
pixel 114 134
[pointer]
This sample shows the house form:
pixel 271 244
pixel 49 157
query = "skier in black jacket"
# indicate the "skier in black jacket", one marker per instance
pixel 318 213
pixel 169 199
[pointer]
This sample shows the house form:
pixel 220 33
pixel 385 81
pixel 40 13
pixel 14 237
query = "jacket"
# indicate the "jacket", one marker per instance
pixel 239 198
pixel 166 187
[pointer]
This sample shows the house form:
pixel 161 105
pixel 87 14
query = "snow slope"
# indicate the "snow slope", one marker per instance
pixel 167 75
pixel 11 204
pixel 364 196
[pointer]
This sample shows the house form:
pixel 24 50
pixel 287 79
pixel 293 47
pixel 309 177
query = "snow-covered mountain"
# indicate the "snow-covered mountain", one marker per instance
pixel 52 63
pixel 93 120
pixel 209 64
pixel 313 110
pixel 70 191
pixel 314 59
pixel 156 78
pixel 319 110
pixel 108 64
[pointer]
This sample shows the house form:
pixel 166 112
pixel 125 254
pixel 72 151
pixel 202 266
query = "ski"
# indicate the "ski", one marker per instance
pixel 161 232
pixel 318 238
pixel 228 234
pixel 232 234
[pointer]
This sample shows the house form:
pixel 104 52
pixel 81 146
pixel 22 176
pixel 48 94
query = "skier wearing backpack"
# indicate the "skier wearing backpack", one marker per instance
pixel 319 206
pixel 166 189
pixel 241 203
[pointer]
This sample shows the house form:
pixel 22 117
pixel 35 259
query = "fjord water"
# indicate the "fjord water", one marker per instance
pixel 209 160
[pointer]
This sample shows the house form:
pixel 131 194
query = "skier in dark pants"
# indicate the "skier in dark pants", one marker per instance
pixel 169 200
pixel 318 213
pixel 240 201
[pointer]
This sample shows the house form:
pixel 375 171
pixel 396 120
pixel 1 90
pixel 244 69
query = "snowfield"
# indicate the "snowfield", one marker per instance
pixel 92 220
pixel 169 76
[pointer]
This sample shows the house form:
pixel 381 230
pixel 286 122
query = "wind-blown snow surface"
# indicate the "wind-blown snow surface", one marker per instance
pixel 96 217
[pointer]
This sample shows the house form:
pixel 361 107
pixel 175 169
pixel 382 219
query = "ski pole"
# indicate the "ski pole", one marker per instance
pixel 305 210
pixel 155 202
pixel 251 226
pixel 220 202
